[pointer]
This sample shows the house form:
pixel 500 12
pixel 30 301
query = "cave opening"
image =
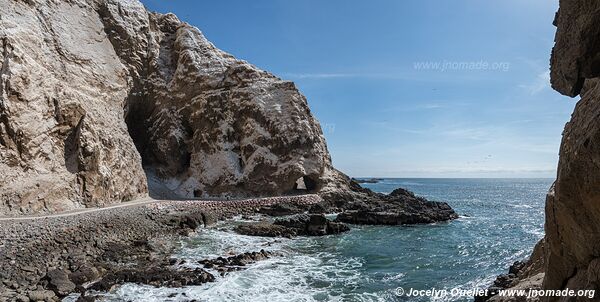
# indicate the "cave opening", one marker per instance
pixel 305 183
pixel 137 109
pixel 135 117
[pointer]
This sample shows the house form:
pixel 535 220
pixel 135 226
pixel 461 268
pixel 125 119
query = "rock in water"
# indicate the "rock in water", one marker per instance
pixel 265 230
pixel 298 225
pixel 158 276
pixel 397 208
pixel 234 263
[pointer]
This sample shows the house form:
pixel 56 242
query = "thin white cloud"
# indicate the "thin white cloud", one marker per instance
pixel 322 75
pixel 432 106
pixel 541 83
pixel 394 75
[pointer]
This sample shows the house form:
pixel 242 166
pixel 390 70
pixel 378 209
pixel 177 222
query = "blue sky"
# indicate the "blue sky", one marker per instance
pixel 412 88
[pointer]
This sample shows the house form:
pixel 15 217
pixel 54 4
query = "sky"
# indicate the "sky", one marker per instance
pixel 412 88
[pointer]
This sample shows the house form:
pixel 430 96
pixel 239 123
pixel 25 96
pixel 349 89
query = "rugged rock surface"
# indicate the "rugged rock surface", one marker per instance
pixel 97 94
pixel 397 208
pixel 63 140
pixel 155 275
pixel 263 229
pixel 572 242
pixel 572 210
pixel 214 125
pixel 234 263
pixel 526 275
pixel 174 274
pixel 299 225
pixel 312 225
pixel 86 82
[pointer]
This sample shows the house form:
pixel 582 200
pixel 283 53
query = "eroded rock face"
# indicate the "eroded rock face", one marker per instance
pixel 214 125
pixel 97 94
pixel 572 208
pixel 88 86
pixel 572 243
pixel 63 139
pixel 575 53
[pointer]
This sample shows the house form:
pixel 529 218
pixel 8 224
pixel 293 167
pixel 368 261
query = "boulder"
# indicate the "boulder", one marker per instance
pixel 59 282
pixel 234 263
pixel 155 275
pixel 84 274
pixel 42 295
pixel 297 225
pixel 316 225
pixel 265 230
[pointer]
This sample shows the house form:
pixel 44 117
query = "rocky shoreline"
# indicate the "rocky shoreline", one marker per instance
pixel 103 100
pixel 44 259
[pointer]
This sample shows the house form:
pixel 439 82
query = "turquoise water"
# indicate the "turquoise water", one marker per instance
pixel 501 220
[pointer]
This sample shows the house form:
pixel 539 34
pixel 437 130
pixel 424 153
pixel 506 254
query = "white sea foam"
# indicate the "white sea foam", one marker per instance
pixel 293 276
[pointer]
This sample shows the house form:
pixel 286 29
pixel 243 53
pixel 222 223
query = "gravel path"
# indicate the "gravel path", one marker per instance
pixel 82 211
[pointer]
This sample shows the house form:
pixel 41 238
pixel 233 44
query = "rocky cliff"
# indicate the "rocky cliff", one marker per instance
pixel 571 253
pixel 572 208
pixel 95 91
pixel 100 98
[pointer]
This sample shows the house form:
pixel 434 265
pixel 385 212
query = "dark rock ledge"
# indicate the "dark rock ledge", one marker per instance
pixel 298 225
pixel 359 205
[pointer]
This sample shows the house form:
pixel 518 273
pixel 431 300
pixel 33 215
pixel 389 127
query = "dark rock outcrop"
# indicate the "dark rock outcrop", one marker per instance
pixel 312 225
pixel 397 208
pixel 299 225
pixel 224 265
pixel 158 276
pixel 59 282
pixel 265 230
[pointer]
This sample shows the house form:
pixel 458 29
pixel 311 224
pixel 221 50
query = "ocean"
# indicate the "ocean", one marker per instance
pixel 500 222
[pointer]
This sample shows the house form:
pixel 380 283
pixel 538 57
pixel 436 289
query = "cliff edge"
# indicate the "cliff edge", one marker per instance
pixel 572 209
pixel 103 102
pixel 569 255
pixel 94 92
